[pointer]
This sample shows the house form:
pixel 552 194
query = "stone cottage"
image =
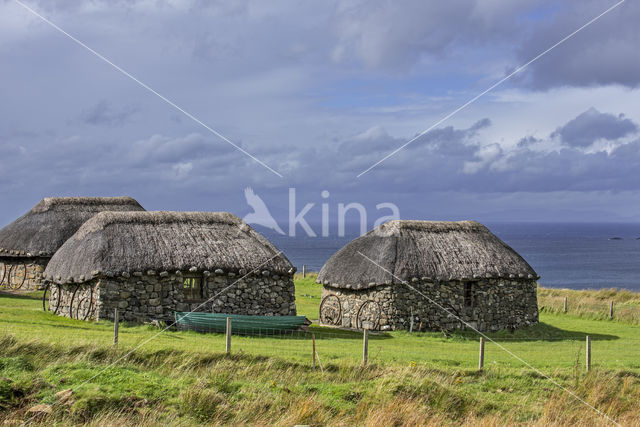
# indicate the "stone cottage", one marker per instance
pixel 28 243
pixel 150 264
pixel 428 275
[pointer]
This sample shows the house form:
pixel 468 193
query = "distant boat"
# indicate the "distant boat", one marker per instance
pixel 615 238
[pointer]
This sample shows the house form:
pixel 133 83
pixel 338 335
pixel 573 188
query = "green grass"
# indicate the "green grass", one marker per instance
pixel 615 344
pixel 185 377
pixel 308 295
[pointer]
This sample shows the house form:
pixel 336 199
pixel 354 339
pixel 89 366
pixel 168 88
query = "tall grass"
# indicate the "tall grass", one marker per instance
pixel 184 388
pixel 592 304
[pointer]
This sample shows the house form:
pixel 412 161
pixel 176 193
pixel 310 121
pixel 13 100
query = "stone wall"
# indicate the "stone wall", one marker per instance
pixel 78 301
pixel 144 297
pixel 496 304
pixel 22 273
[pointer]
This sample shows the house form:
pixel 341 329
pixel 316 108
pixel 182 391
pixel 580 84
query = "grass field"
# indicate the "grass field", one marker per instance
pixel 593 304
pixel 420 378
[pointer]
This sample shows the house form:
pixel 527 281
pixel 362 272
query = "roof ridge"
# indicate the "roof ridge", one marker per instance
pixel 49 203
pixel 397 225
pixel 107 218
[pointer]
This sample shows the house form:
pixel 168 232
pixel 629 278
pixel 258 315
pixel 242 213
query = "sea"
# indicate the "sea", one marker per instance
pixel 565 255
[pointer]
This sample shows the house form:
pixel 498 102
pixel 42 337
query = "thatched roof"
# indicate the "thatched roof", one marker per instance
pixel 425 250
pixel 42 230
pixel 125 243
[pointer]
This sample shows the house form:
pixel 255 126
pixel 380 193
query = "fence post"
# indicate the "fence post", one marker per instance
pixel 565 305
pixel 228 346
pixel 481 355
pixel 588 364
pixel 365 346
pixel 116 322
pixel 611 309
pixel 313 340
pixel 304 271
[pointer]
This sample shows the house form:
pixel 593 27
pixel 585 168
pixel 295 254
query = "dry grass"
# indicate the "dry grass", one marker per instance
pixel 245 390
pixel 181 388
pixel 592 304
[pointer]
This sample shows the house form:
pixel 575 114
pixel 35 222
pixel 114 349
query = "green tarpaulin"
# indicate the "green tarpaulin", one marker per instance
pixel 217 322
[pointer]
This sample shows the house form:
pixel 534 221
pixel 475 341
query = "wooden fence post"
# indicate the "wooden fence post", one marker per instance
pixel 365 346
pixel 116 322
pixel 565 305
pixel 611 310
pixel 313 339
pixel 304 271
pixel 228 346
pixel 481 355
pixel 588 364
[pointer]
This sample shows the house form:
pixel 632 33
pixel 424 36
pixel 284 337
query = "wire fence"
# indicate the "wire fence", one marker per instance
pixel 553 348
pixel 317 346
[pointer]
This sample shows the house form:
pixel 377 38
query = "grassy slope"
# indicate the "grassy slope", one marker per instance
pixel 593 304
pixel 184 377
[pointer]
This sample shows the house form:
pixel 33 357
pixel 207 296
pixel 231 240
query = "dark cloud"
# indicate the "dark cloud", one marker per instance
pixel 190 171
pixel 447 140
pixel 102 114
pixel 447 159
pixel 160 149
pixel 528 141
pixel 605 52
pixel 567 169
pixel 593 125
pixel 451 159
pixel 384 36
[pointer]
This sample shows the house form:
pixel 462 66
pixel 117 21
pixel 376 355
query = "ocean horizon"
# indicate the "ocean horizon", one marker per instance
pixel 565 255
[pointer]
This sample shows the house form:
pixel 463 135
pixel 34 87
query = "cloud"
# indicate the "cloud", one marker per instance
pixel 593 125
pixel 452 160
pixel 449 160
pixel 161 149
pixel 337 87
pixel 567 169
pixel 485 155
pixel 447 141
pixel 528 141
pixel 532 167
pixel 181 170
pixel 604 53
pixel 102 114
pixel 384 36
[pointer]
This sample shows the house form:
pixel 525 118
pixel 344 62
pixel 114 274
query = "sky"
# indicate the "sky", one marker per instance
pixel 319 92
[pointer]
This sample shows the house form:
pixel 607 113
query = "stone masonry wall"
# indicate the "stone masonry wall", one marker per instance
pixel 22 273
pixel 350 301
pixel 497 304
pixel 78 301
pixel 144 297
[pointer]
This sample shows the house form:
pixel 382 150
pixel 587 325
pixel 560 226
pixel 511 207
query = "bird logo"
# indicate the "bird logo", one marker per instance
pixel 260 215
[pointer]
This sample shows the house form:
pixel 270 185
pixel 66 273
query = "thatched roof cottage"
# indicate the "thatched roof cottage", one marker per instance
pixel 27 244
pixel 397 275
pixel 150 264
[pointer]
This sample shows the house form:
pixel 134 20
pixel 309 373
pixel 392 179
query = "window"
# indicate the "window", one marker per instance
pixel 469 294
pixel 192 288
